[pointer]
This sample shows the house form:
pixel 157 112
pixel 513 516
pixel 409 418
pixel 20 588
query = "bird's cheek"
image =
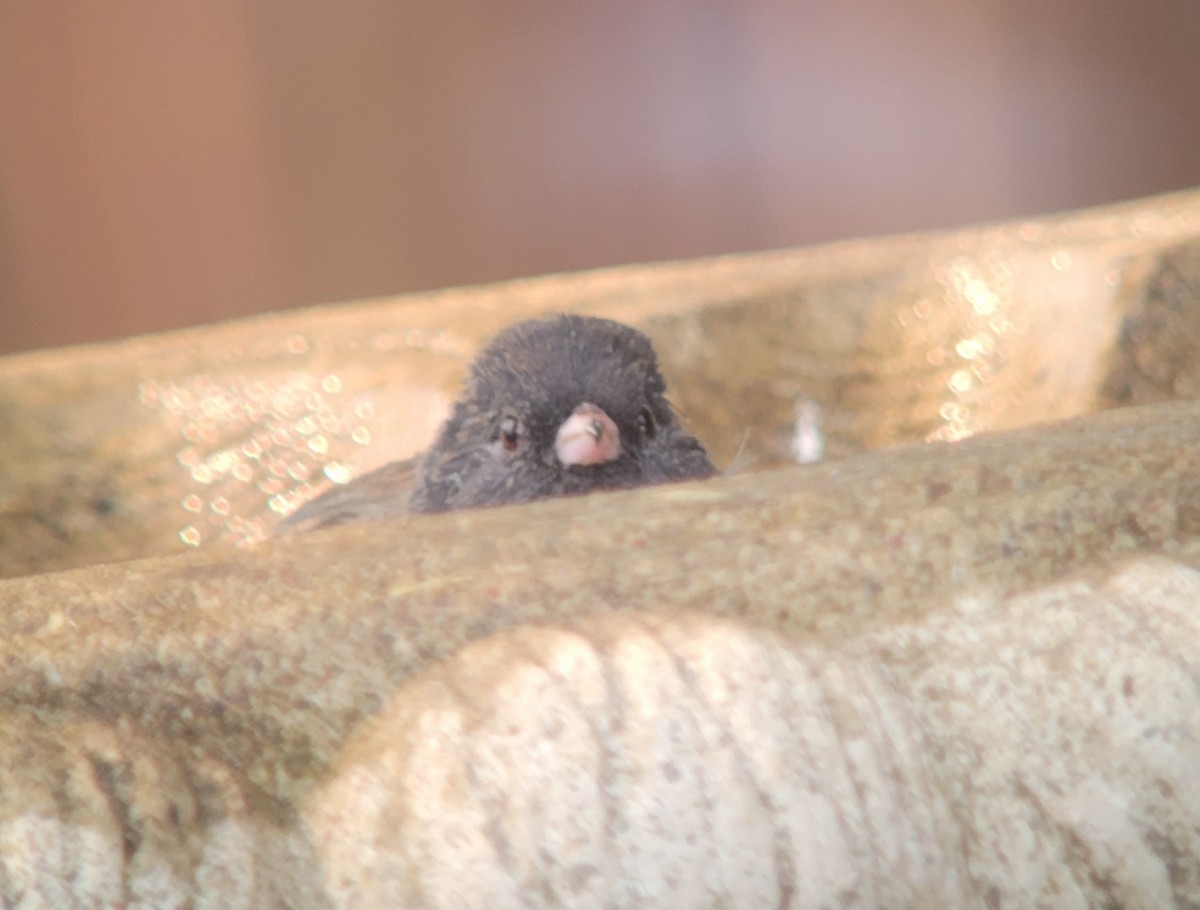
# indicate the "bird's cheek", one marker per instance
pixel 649 468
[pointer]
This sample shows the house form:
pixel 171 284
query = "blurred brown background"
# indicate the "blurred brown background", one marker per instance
pixel 163 164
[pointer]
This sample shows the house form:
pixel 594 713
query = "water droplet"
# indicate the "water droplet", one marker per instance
pixel 337 472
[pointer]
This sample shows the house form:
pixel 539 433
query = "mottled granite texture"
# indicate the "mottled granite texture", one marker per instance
pixel 923 675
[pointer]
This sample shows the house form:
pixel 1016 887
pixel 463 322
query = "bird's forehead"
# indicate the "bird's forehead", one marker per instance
pixel 558 365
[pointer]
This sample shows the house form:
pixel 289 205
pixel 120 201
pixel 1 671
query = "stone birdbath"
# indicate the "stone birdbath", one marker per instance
pixel 934 642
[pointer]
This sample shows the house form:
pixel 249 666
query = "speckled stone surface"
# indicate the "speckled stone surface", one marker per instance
pixel 948 675
pixel 190 439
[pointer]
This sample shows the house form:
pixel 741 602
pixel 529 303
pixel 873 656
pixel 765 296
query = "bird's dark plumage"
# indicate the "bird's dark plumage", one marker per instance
pixel 552 407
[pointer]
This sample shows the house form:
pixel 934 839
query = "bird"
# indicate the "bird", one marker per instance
pixel 556 406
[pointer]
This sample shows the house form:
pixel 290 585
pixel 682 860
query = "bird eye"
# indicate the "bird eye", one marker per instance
pixel 509 432
pixel 647 424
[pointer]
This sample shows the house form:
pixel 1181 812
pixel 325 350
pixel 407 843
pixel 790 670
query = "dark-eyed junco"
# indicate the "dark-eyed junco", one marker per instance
pixel 552 407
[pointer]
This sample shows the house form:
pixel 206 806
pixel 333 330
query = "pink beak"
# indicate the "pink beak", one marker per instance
pixel 588 436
